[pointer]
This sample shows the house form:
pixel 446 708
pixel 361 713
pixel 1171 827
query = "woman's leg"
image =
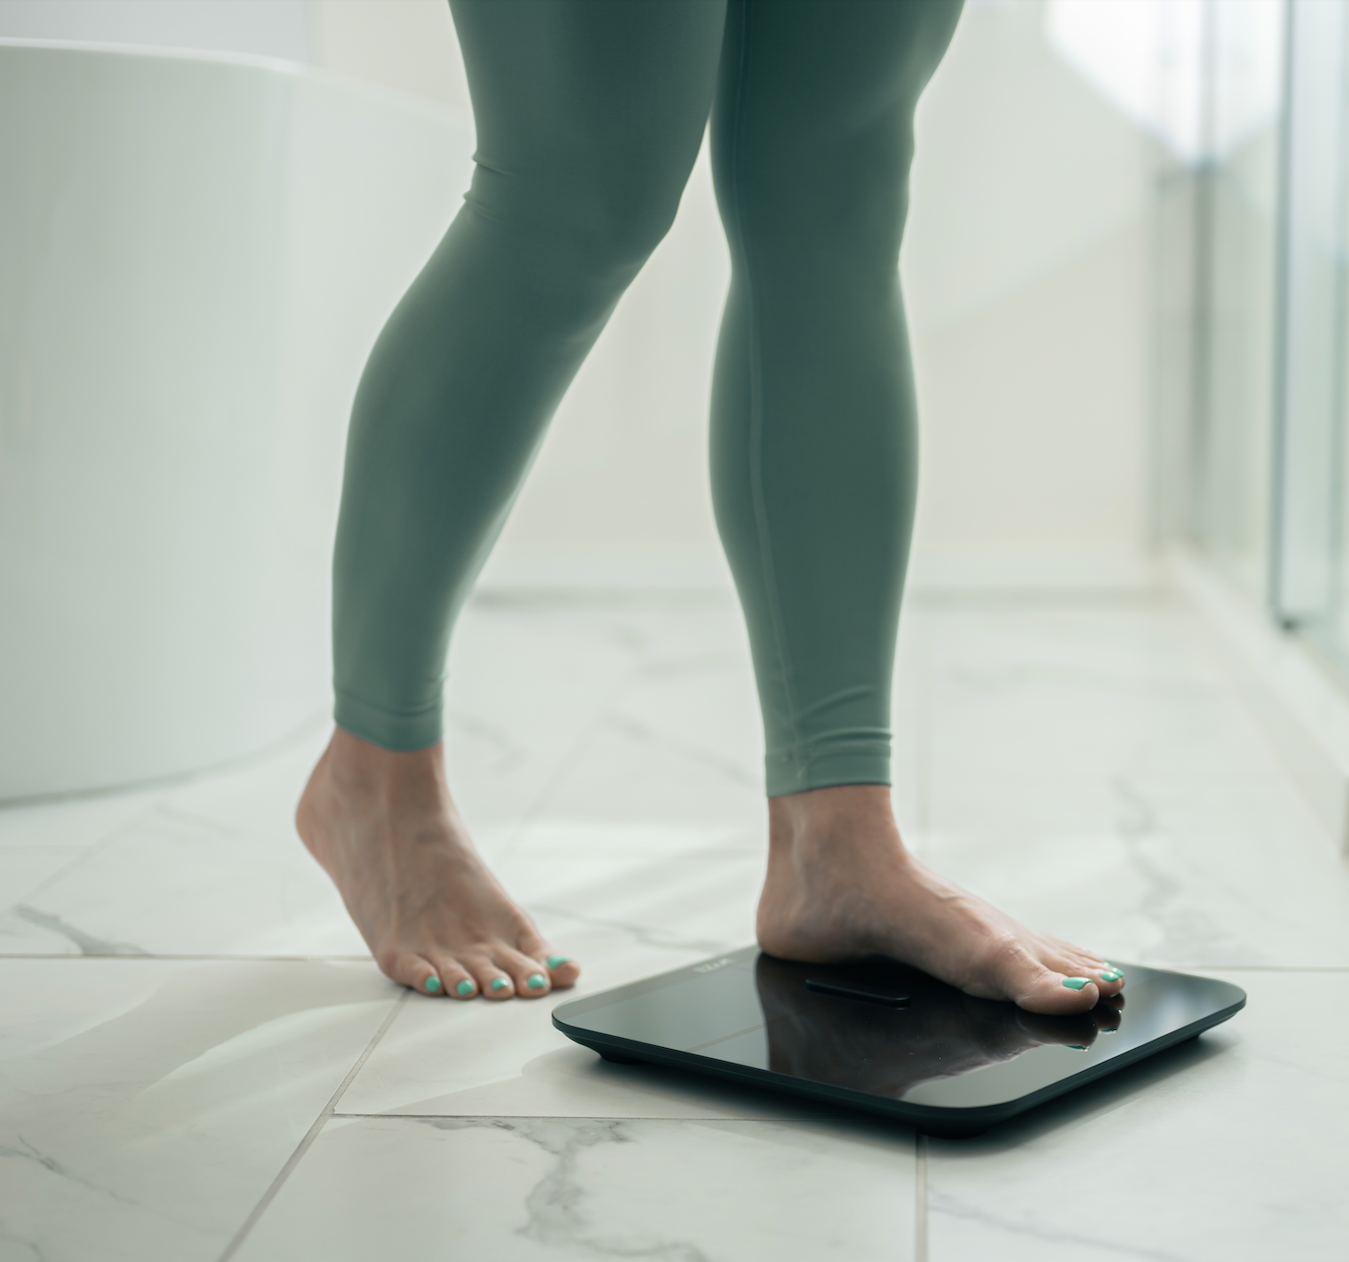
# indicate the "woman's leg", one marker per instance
pixel 814 450
pixel 589 116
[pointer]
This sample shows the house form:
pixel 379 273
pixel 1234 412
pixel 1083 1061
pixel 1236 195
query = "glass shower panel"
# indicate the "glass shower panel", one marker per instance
pixel 1237 283
pixel 1309 400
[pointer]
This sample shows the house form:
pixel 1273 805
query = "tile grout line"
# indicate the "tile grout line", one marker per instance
pixel 73 956
pixel 312 1134
pixel 920 1200
pixel 152 955
pixel 569 1117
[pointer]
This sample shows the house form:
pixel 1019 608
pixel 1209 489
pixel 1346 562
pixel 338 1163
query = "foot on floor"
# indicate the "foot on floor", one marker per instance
pixel 384 827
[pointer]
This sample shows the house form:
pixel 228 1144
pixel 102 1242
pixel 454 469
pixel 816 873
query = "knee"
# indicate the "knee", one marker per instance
pixel 606 220
pixel 619 223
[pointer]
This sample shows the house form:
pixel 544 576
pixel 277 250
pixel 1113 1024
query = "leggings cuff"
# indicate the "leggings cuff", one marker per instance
pixel 398 732
pixel 830 763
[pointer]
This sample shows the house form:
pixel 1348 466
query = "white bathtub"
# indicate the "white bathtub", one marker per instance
pixel 196 253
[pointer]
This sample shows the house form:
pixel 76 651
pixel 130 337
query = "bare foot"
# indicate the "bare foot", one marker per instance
pixel 841 886
pixel 384 828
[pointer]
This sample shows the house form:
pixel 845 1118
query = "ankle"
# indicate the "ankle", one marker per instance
pixel 361 769
pixel 840 815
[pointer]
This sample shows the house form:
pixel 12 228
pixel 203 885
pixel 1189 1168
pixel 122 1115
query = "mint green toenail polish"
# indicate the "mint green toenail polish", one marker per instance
pixel 432 984
pixel 499 983
pixel 1075 983
pixel 1076 1047
pixel 557 961
pixel 1111 976
pixel 537 981
pixel 464 988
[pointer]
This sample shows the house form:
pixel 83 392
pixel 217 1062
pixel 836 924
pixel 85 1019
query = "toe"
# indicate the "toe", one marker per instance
pixel 493 981
pixel 456 979
pixel 561 969
pixel 1108 980
pixel 415 972
pixel 531 977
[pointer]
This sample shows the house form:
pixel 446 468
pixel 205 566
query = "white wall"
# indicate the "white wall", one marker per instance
pixel 1026 267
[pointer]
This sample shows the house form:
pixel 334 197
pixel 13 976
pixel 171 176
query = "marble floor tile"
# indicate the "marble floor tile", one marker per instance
pixel 524 686
pixel 1086 692
pixel 623 773
pixel 1226 1149
pixel 1087 768
pixel 520 1189
pixel 1093 775
pixel 70 822
pixel 146 1105
pixel 703 903
pixel 442 1056
pixel 174 884
pixel 23 871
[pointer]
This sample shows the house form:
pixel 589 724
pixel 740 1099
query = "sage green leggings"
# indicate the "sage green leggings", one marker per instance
pixel 589 117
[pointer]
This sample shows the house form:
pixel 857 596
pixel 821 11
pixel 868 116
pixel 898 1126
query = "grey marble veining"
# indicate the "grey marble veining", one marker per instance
pixel 145 1105
pixel 520 1189
pixel 1226 1149
pixel 1087 768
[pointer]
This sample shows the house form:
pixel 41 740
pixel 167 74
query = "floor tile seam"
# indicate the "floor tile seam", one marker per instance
pixel 920 1234
pixel 619 926
pixel 143 955
pixel 312 1133
pixel 562 1117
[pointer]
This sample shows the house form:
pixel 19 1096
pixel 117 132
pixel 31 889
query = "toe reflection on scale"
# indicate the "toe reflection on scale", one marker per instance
pixel 887 1038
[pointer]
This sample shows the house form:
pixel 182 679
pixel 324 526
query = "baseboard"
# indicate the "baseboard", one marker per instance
pixel 1302 708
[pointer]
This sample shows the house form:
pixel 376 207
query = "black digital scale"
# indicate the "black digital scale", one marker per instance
pixel 887 1038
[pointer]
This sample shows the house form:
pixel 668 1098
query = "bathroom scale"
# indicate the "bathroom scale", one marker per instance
pixel 887 1038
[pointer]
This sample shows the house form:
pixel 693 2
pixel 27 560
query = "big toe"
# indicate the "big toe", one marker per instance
pixel 563 970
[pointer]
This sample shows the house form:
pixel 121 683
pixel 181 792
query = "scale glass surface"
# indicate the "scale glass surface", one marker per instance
pixel 887 1038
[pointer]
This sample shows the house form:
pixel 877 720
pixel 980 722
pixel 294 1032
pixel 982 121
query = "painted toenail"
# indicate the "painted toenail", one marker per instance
pixel 1076 1047
pixel 465 987
pixel 499 983
pixel 1111 976
pixel 432 984
pixel 1075 983
pixel 557 961
pixel 537 981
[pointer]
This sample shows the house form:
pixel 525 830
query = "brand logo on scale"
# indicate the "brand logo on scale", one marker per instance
pixel 712 965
